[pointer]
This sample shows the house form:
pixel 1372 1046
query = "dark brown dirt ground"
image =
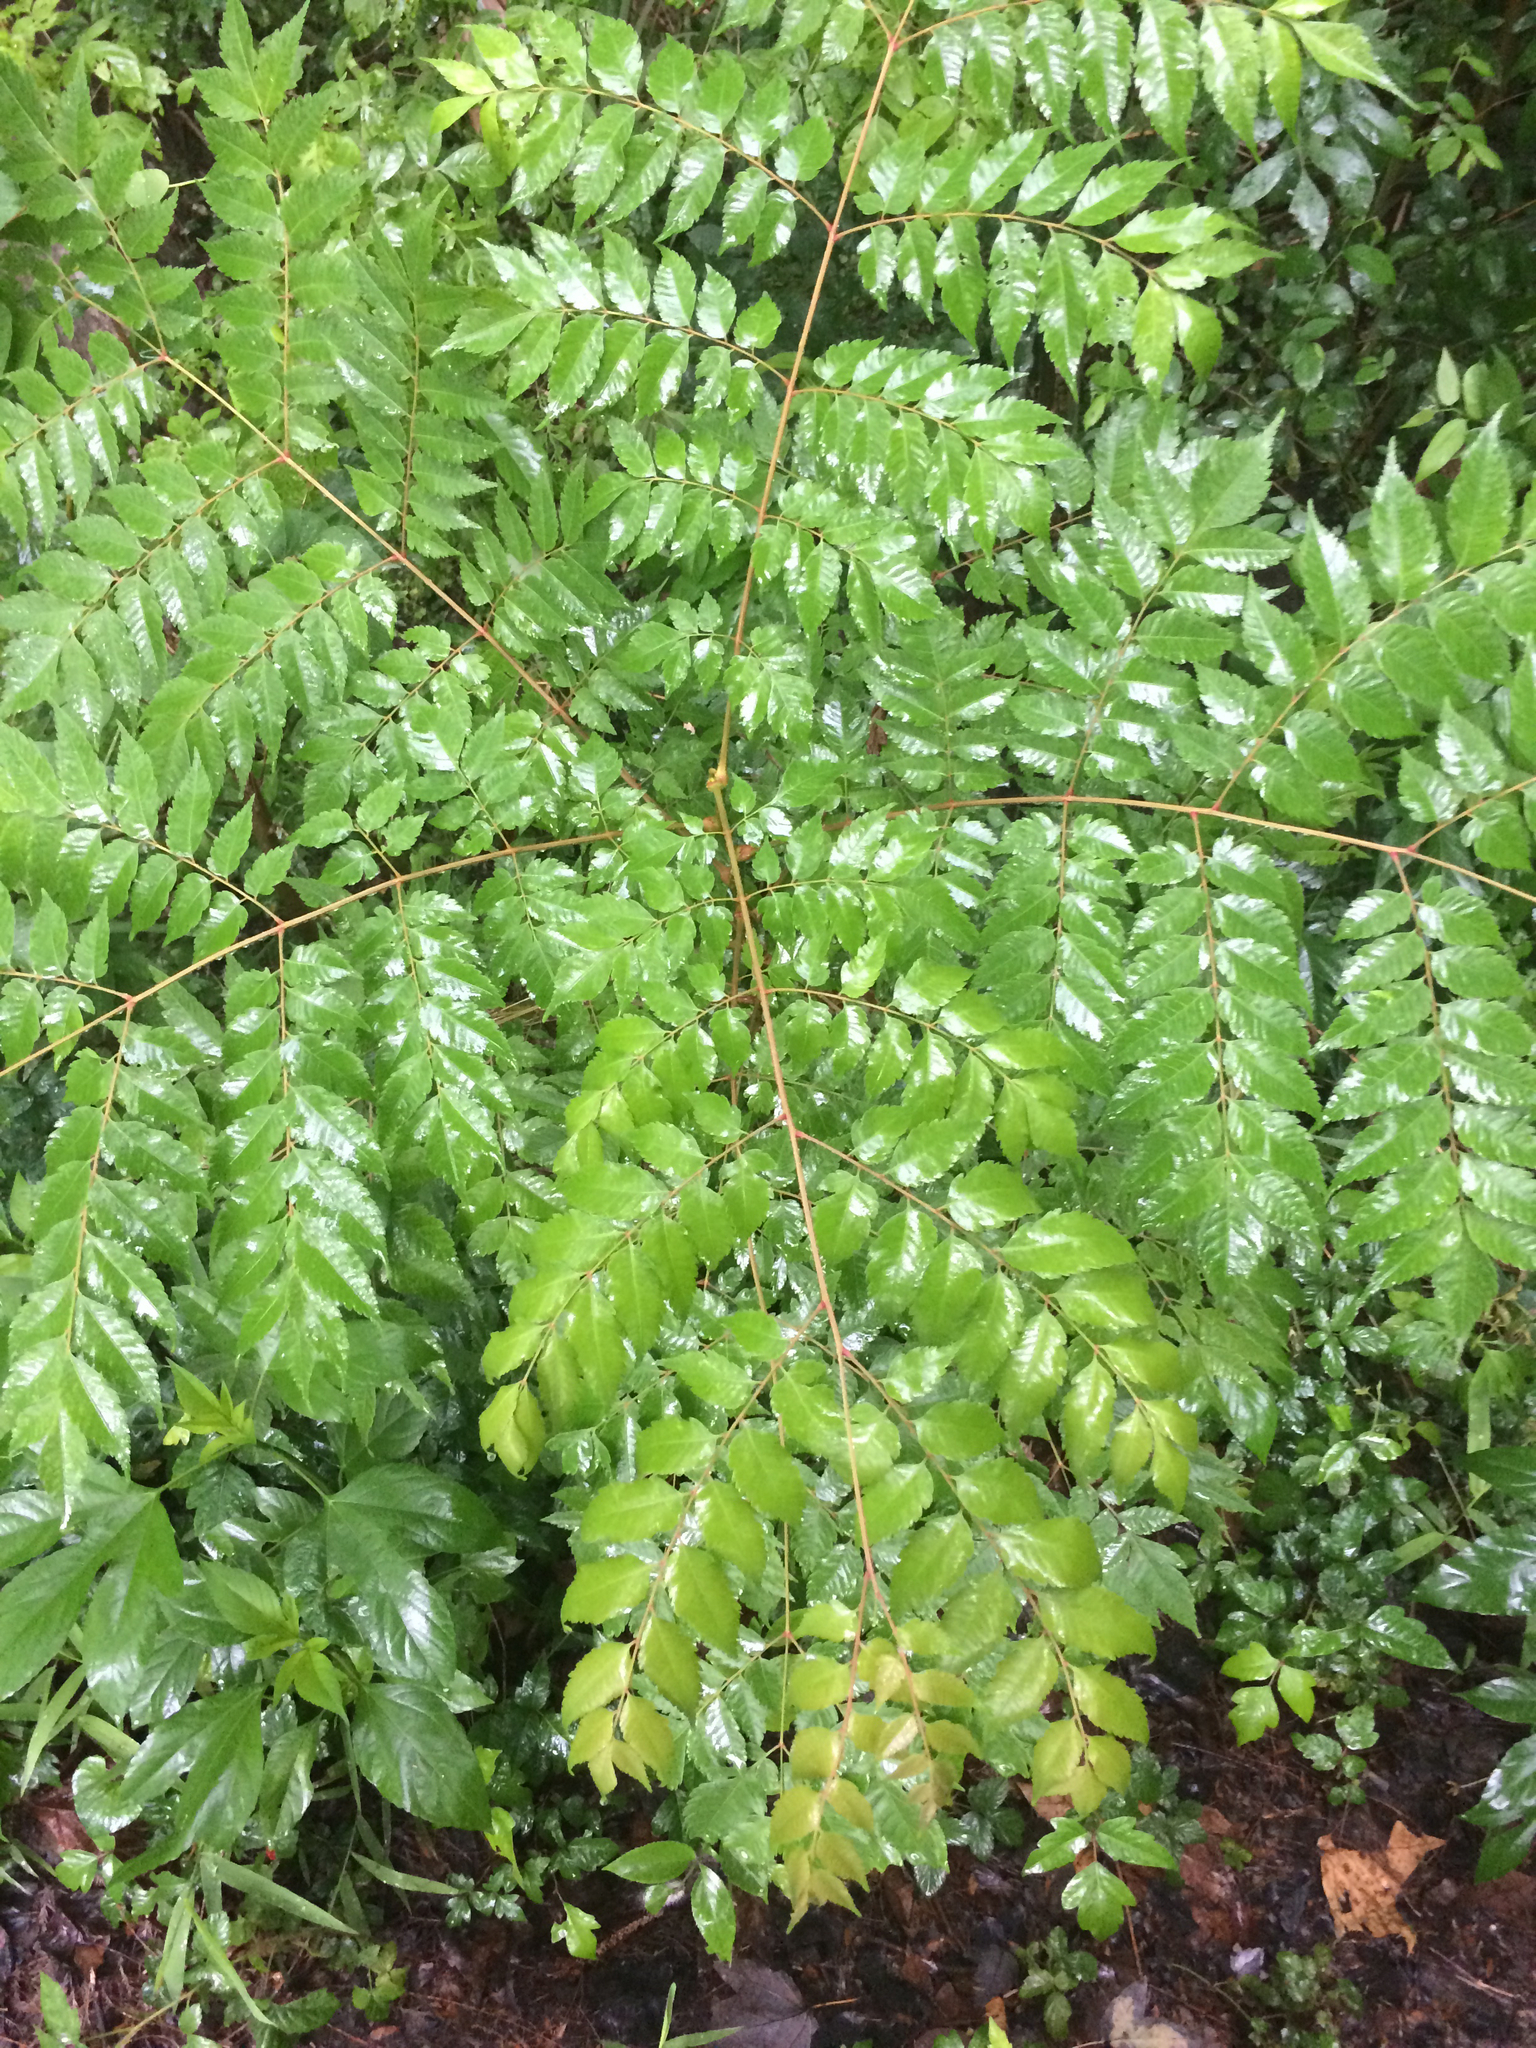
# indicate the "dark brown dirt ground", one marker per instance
pixel 909 1965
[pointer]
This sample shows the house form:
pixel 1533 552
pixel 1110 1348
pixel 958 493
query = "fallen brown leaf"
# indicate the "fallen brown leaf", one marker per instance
pixel 1130 2027
pixel 48 1817
pixel 764 2007
pixel 1361 1885
pixel 1211 1886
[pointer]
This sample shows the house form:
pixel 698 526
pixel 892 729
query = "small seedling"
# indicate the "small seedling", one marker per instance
pixel 1301 2000
pixel 667 2039
pixel 1052 1972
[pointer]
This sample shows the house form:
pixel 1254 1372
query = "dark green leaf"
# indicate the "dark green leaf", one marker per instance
pixel 408 1744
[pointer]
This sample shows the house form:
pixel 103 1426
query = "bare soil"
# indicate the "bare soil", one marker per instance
pixel 911 1966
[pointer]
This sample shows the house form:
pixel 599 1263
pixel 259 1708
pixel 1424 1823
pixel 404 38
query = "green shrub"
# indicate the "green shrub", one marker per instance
pixel 750 946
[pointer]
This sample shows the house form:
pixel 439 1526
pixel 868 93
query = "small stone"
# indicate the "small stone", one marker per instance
pixel 997 1971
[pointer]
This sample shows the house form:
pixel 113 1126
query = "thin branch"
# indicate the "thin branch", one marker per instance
pixel 1136 803
pixel 283 925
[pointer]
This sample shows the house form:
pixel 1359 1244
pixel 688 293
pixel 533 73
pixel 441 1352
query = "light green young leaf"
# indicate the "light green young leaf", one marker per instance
pixel 1343 48
pixel 1230 65
pixel 1167 68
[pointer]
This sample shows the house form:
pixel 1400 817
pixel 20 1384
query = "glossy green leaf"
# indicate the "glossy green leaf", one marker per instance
pixel 604 1588
pixel 667 1658
pixel 714 1914
pixel 38 1607
pixel 703 1600
pixel 766 1475
pixel 1493 1575
pixel 1099 1899
pixel 1110 1702
pixel 1060 1552
pixel 628 1510
pixel 652 1863
pixel 1066 1242
pixel 1229 63
pixel 931 1562
pixel 1166 68
pixel 1254 1711
pixel 408 1745
pixel 1098 1620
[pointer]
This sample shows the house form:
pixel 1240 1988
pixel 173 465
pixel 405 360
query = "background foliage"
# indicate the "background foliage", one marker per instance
pixel 767 863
